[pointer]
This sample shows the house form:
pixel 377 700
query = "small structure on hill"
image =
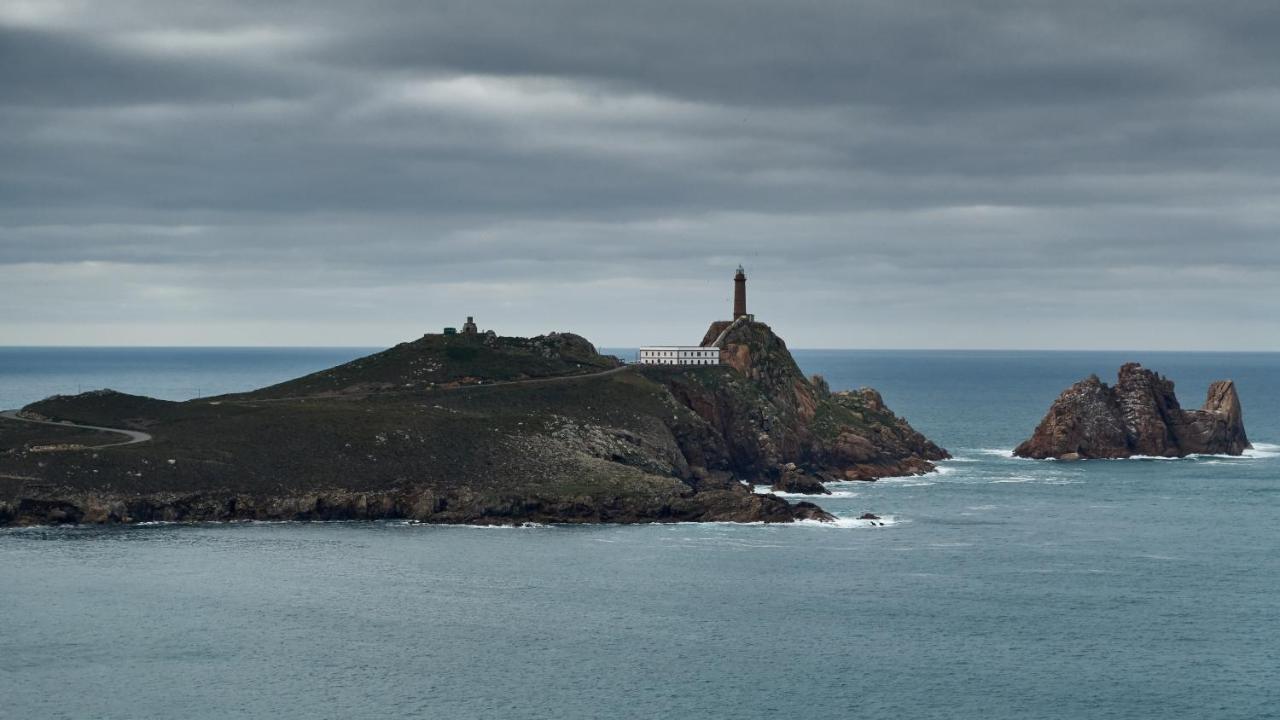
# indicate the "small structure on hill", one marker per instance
pixel 469 327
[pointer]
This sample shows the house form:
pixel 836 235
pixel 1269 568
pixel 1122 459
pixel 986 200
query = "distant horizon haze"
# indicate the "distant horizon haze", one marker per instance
pixel 607 348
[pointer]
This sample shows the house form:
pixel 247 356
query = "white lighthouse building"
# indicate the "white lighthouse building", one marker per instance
pixel 679 355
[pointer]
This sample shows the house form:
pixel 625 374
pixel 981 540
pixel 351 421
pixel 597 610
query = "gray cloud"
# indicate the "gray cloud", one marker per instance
pixel 990 174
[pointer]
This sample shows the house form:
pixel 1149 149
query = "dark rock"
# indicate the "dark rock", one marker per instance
pixel 1139 416
pixel 795 480
pixel 868 516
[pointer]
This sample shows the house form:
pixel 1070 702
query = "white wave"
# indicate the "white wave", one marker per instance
pixel 521 526
pixel 1259 451
pixel 944 470
pixel 851 522
pixel 418 523
pixel 905 481
pixel 767 490
pixel 1262 450
pixel 1036 480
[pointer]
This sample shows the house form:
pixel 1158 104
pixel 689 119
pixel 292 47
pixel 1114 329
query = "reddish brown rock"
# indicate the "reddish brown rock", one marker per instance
pixel 779 417
pixel 1139 416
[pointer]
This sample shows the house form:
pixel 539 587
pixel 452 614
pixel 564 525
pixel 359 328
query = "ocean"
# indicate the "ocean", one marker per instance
pixel 998 588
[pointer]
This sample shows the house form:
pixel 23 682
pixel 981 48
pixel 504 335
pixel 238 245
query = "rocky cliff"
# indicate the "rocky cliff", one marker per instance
pixel 457 429
pixel 781 427
pixel 1140 415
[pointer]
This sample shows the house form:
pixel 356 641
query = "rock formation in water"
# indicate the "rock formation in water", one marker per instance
pixel 469 429
pixel 1139 416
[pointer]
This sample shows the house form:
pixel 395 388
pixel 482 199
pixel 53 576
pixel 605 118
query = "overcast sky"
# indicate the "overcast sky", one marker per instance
pixel 1083 174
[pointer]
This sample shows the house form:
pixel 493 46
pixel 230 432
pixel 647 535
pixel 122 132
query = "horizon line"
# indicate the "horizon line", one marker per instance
pixel 630 347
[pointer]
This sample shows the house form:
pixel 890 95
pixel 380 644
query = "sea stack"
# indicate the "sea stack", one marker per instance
pixel 1139 416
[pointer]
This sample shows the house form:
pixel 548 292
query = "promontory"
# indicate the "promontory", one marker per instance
pixel 466 427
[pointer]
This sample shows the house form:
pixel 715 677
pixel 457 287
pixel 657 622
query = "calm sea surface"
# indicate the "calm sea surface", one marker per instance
pixel 1002 588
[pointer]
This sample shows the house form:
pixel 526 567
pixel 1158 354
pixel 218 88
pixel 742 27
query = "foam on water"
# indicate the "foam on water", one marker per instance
pixel 908 481
pixel 1259 450
pixel 418 523
pixel 1262 450
pixel 851 522
pixel 1036 480
pixel 767 490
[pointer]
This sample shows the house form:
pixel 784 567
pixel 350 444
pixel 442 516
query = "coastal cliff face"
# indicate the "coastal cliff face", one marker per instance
pixel 1139 416
pixel 791 431
pixel 466 430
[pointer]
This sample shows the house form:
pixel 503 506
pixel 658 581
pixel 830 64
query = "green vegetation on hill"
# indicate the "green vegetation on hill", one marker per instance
pixel 442 360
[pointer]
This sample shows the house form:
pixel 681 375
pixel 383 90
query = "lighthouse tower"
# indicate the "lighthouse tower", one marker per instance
pixel 718 328
pixel 739 293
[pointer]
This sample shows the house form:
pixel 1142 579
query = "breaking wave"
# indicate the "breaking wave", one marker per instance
pixel 1035 480
pixel 766 490
pixel 850 522
pixel 1262 450
pixel 1259 451
pixel 907 481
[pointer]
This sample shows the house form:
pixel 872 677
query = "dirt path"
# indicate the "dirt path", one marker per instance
pixel 133 435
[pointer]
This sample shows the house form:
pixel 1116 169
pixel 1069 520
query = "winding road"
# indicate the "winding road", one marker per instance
pixel 133 435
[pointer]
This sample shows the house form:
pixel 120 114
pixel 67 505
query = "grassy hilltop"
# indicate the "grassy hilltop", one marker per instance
pixel 444 360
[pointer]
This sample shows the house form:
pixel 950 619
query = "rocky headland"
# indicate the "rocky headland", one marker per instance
pixel 467 429
pixel 1139 416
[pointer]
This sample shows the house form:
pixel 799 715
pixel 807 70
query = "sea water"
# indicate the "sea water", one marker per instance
pixel 996 588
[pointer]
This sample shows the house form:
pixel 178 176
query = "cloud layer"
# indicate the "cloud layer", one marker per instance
pixel 893 174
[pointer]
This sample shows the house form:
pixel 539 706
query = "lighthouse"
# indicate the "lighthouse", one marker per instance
pixel 739 293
